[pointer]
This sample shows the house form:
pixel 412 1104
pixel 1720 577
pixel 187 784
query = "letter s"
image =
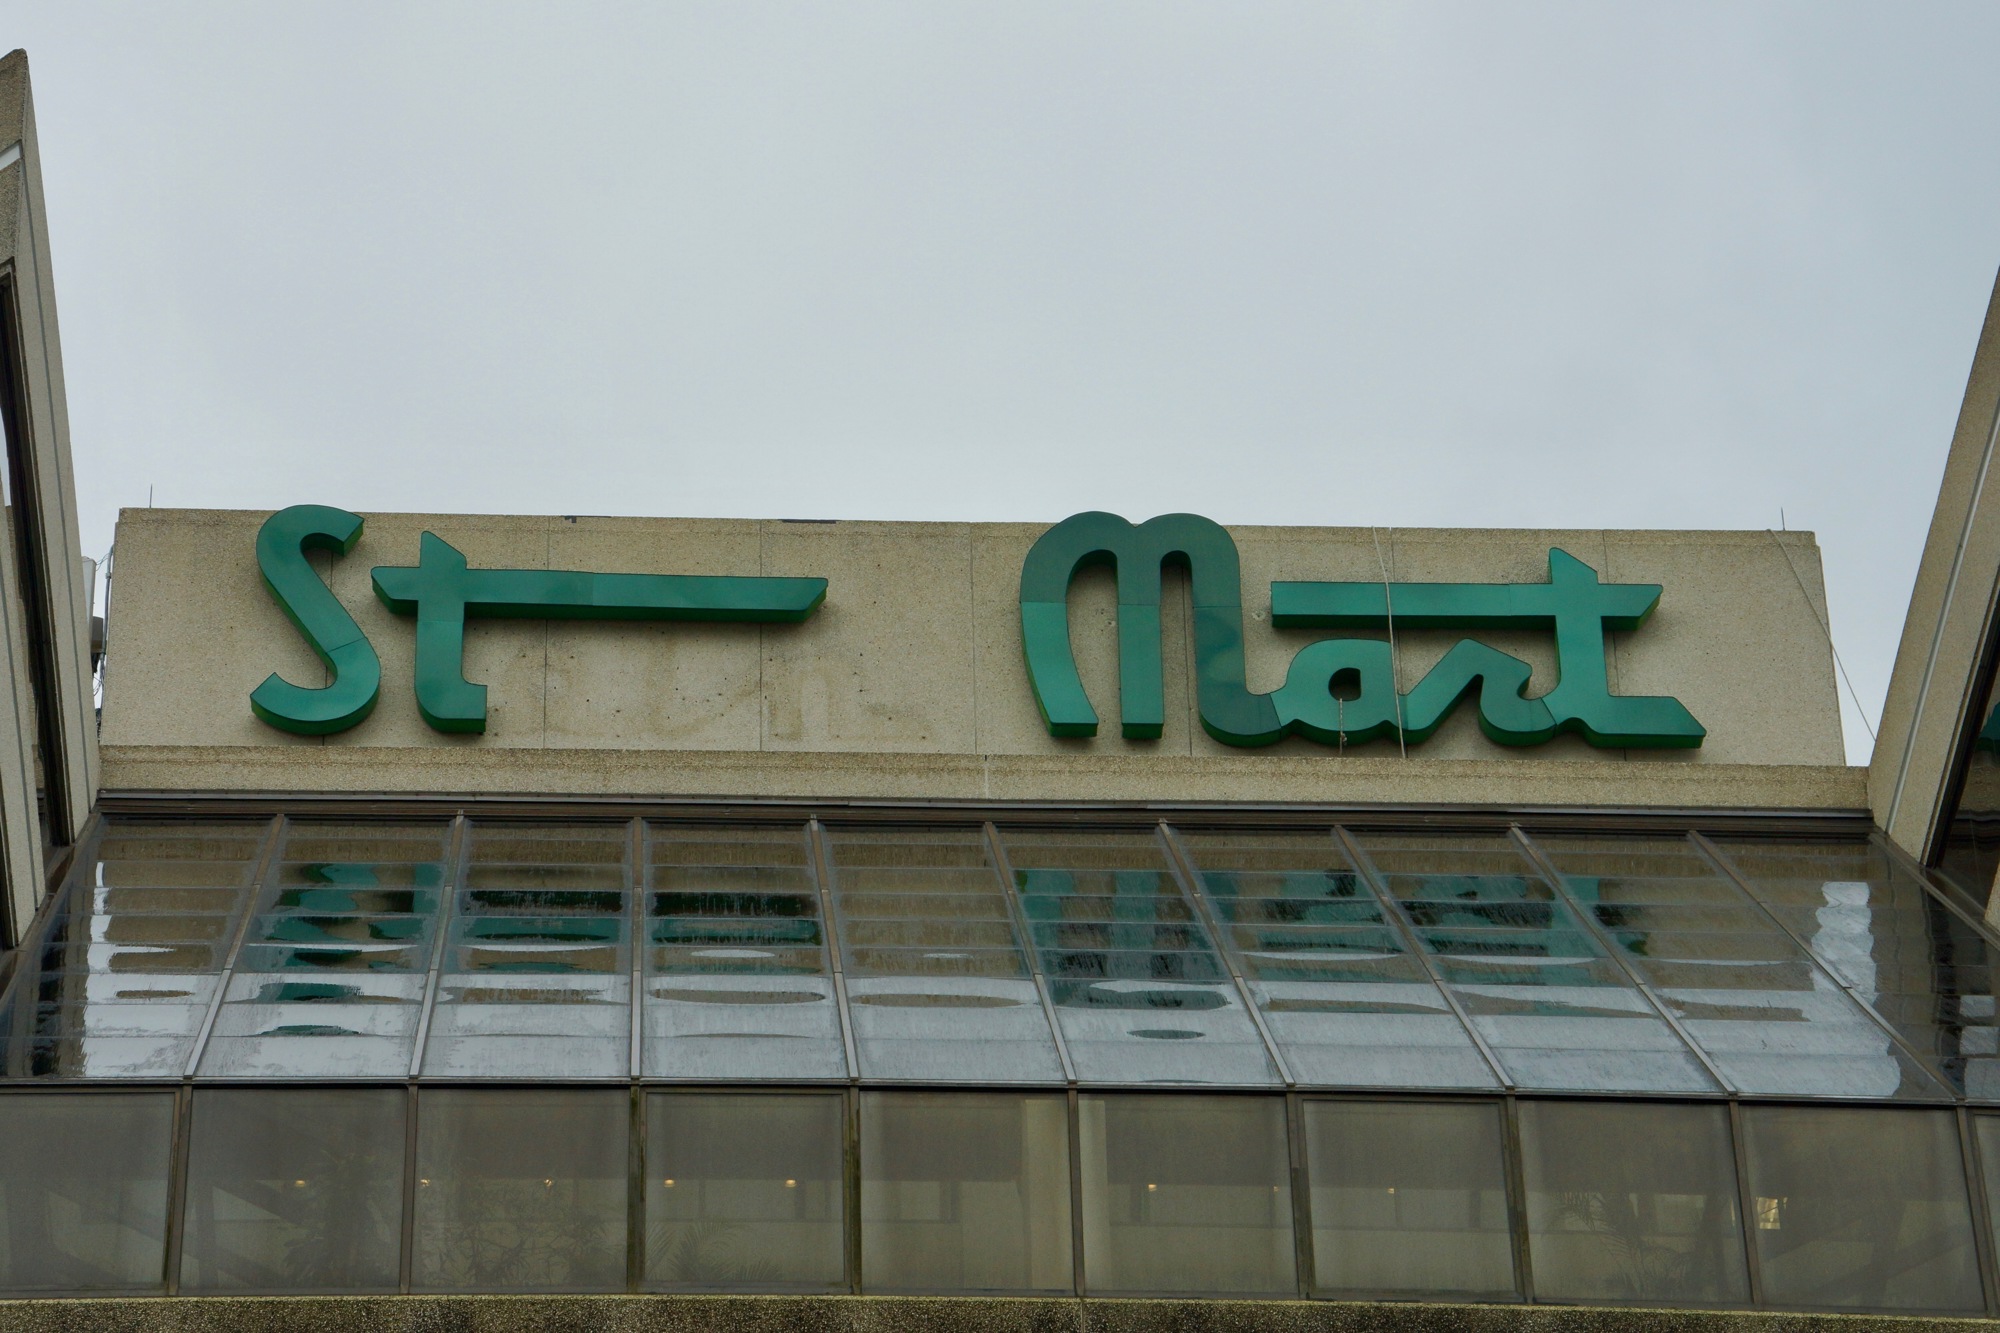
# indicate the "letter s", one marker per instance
pixel 357 672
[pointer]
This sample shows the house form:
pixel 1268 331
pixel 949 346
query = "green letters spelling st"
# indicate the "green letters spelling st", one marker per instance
pixel 1337 691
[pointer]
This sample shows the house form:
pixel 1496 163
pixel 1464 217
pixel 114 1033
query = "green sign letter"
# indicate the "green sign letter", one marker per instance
pixel 357 673
pixel 1229 712
pixel 441 592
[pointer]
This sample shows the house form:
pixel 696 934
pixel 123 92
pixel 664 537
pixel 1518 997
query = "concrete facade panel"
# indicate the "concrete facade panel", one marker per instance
pixel 621 685
pixel 887 663
pixel 917 652
pixel 1930 695
pixel 197 632
pixel 1738 637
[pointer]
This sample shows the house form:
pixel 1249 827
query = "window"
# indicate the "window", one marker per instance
pixel 1632 1202
pixel 294 1190
pixel 745 1192
pixel 1860 1209
pixel 1186 1194
pixel 83 1191
pixel 965 1192
pixel 521 1190
pixel 1409 1199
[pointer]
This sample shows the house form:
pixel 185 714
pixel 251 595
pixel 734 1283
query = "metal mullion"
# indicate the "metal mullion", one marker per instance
pixel 273 839
pixel 1188 880
pixel 1301 1183
pixel 1595 928
pixel 1746 1203
pixel 635 930
pixel 1075 1107
pixel 1406 929
pixel 1517 1196
pixel 1615 821
pixel 635 1148
pixel 850 1174
pixel 1714 856
pixel 1975 1199
pixel 456 860
pixel 177 1163
pixel 1004 868
pixel 635 1191
pixel 819 861
pixel 407 1250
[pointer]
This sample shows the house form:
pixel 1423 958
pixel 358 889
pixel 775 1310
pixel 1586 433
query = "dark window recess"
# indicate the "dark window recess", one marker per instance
pixel 25 522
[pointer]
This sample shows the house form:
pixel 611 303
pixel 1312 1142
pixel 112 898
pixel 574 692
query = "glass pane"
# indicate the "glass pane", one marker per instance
pixel 330 981
pixel 1986 1138
pixel 521 1190
pixel 1555 1010
pixel 938 984
pixel 294 1191
pixel 738 985
pixel 965 1192
pixel 744 1192
pixel 83 1192
pixel 1902 951
pixel 536 981
pixel 121 976
pixel 1186 1194
pixel 1409 1199
pixel 1139 989
pixel 1632 1202
pixel 1971 851
pixel 1331 972
pixel 1860 1209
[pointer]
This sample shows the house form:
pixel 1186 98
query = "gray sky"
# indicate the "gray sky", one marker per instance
pixel 1441 265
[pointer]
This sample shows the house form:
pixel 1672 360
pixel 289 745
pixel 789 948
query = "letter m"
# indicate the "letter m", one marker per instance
pixel 1138 552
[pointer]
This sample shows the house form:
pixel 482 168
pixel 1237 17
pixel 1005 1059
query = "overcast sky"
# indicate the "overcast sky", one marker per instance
pixel 1444 265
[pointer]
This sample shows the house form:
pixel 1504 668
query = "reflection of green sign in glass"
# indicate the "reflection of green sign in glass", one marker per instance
pixel 1336 690
pixel 442 593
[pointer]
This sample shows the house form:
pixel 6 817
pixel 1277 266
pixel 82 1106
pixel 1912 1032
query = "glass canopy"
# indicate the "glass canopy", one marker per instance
pixel 295 949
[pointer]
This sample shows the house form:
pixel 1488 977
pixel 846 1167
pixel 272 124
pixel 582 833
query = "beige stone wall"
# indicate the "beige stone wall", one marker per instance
pixel 1935 691
pixel 909 681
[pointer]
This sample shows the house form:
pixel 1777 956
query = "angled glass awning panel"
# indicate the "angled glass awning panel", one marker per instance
pixel 738 980
pixel 1892 944
pixel 329 980
pixel 1140 991
pixel 1545 995
pixel 1771 1019
pixel 535 979
pixel 1331 971
pixel 938 982
pixel 120 978
pixel 310 950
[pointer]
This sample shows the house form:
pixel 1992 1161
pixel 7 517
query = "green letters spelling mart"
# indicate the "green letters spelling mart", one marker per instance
pixel 1336 691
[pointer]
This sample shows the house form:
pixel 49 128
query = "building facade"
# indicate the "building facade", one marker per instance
pixel 1096 922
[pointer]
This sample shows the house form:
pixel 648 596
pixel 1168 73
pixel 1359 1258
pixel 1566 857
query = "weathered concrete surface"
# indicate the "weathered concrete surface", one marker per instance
pixel 672 774
pixel 890 1314
pixel 49 576
pixel 910 679
pixel 1934 688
